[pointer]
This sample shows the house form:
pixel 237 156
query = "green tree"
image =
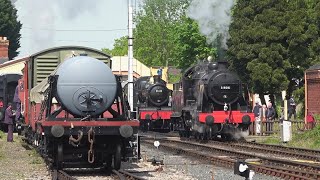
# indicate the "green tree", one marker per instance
pixel 154 33
pixel 120 47
pixel 190 44
pixel 10 26
pixel 269 43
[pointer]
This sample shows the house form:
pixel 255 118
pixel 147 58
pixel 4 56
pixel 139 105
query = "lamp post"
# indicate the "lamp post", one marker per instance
pixel 130 55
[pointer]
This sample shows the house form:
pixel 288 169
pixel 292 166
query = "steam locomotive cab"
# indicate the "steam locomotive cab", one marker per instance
pixel 153 103
pixel 213 101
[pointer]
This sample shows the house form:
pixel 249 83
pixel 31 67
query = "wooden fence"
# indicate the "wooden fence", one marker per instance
pixel 272 127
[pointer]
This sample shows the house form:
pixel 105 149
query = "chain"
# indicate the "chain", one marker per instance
pixel 91 140
pixel 44 102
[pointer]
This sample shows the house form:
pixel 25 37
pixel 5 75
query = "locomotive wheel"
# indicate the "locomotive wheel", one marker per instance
pixel 108 162
pixel 117 157
pixel 203 136
pixel 196 135
pixel 149 125
pixel 59 158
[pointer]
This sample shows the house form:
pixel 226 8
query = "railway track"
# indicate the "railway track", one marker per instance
pixel 280 167
pixel 61 175
pixel 124 175
pixel 298 153
pixel 119 175
pixel 292 153
pixel 313 152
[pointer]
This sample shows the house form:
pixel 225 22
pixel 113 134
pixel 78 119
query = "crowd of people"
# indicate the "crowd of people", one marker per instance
pixel 266 114
pixel 263 113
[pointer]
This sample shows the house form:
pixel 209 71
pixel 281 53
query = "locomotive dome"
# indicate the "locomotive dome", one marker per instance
pixel 85 85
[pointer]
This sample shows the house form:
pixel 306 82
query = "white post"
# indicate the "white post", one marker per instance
pixel 285 103
pixel 286 131
pixel 130 54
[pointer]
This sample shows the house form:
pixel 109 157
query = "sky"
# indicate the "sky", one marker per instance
pixel 50 23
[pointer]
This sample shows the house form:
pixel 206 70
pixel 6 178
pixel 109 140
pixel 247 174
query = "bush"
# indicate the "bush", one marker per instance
pixel 2 134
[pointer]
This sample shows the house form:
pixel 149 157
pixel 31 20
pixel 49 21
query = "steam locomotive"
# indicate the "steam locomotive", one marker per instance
pixel 152 103
pixel 77 116
pixel 211 101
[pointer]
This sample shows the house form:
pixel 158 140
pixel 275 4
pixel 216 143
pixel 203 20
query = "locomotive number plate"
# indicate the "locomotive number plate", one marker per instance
pixel 225 87
pixel 159 90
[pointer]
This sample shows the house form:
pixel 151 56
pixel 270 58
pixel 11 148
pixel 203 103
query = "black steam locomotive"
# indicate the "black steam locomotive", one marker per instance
pixel 209 101
pixel 152 103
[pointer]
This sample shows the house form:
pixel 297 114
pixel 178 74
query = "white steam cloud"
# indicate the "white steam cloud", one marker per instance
pixel 214 18
pixel 41 18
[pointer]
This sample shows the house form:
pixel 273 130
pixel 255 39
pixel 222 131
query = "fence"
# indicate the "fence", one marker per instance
pixel 273 127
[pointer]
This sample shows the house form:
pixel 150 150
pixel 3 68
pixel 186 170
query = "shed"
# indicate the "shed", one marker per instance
pixel 312 88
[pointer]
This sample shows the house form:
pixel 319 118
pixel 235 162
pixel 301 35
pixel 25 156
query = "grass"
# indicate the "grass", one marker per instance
pixel 2 134
pixel 36 158
pixel 308 139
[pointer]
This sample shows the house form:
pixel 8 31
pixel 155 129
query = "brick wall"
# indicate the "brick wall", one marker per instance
pixel 4 44
pixel 312 91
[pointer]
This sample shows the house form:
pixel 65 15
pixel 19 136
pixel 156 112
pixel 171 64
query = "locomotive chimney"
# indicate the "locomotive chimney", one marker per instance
pixel 156 78
pixel 221 60
pixel 4 49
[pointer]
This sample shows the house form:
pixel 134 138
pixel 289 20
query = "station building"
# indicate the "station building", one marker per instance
pixel 312 86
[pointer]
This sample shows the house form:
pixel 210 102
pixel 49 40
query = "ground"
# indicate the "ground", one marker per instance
pixel 18 162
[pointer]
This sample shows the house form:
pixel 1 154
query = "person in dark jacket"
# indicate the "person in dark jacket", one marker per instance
pixel 292 108
pixel 17 101
pixel 271 114
pixel 8 119
pixel 257 116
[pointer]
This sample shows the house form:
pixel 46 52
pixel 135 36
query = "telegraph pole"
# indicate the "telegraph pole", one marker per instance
pixel 130 54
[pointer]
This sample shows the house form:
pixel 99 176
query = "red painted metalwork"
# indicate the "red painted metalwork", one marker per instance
pixel 221 116
pixel 155 114
pixel 90 123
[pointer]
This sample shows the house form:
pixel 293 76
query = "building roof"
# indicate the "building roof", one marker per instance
pixel 120 64
pixel 69 47
pixel 314 67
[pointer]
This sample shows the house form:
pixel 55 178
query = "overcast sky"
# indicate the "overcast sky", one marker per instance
pixel 49 23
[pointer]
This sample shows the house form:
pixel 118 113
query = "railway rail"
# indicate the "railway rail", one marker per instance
pixel 282 148
pixel 61 175
pixel 119 175
pixel 279 167
pixel 125 175
pixel 266 149
pixel 299 153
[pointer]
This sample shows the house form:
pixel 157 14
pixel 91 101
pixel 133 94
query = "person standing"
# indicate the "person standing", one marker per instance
pixel 271 113
pixel 292 108
pixel 257 116
pixel 8 119
pixel 159 72
pixel 17 102
pixel 264 117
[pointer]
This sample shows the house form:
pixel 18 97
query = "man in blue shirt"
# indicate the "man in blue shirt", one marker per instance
pixel 159 72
